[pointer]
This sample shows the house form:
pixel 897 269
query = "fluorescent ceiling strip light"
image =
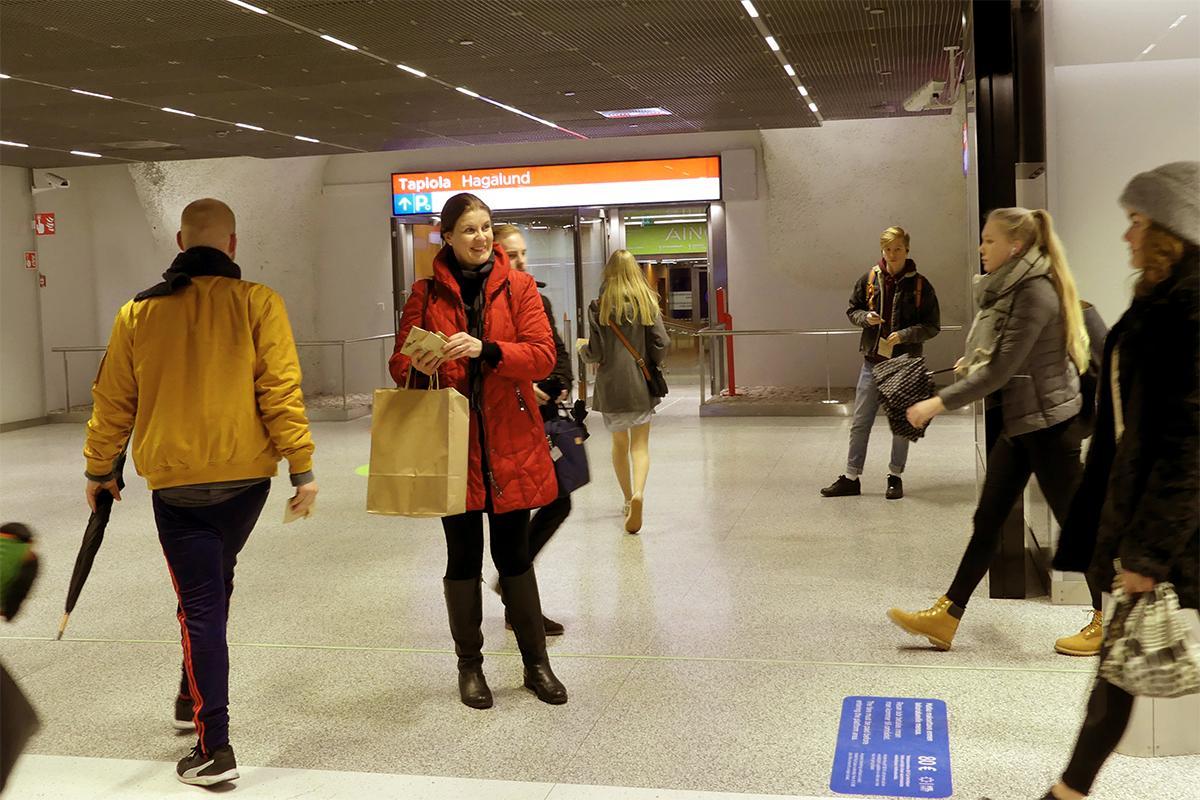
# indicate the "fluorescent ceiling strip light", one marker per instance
pixel 468 92
pixel 4 77
pixel 247 126
pixel 13 144
pixel 803 91
pixel 86 154
pixel 771 43
pixel 412 71
pixel 177 111
pixel 750 9
pixel 307 139
pixel 338 42
pixel 1146 52
pixel 92 94
pixel 789 69
pixel 248 7
pixel 812 107
pixel 1177 22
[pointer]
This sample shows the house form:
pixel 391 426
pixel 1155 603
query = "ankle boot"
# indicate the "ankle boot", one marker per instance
pixel 938 624
pixel 464 604
pixel 524 607
pixel 1087 641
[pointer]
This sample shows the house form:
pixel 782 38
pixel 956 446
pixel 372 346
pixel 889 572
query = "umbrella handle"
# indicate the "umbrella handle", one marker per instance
pixel 62 626
pixel 940 371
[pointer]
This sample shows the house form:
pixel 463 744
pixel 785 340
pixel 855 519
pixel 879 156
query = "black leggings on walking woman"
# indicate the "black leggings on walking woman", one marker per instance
pixel 1108 714
pixel 1052 454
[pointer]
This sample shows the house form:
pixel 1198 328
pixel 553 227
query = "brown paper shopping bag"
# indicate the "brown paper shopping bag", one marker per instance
pixel 419 453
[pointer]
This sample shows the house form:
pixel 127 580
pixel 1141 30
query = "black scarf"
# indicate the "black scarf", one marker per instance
pixel 472 284
pixel 192 263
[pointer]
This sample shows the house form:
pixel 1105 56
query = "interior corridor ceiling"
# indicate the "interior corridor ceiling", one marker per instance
pixel 495 71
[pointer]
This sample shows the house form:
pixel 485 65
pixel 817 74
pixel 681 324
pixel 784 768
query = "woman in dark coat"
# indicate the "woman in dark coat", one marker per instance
pixel 1140 497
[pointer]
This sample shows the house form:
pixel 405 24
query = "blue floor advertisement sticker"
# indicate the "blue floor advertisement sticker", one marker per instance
pixel 892 746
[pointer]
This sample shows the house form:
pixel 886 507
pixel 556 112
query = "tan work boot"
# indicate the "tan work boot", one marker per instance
pixel 1087 641
pixel 937 624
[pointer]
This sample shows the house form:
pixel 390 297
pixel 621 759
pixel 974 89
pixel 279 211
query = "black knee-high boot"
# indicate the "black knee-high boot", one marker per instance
pixel 464 604
pixel 524 607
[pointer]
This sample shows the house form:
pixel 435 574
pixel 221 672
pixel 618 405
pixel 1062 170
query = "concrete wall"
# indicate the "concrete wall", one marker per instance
pixel 22 387
pixel 1111 121
pixel 318 231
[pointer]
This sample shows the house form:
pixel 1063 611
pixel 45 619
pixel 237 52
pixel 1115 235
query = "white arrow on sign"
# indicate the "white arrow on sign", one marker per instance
pixel 405 203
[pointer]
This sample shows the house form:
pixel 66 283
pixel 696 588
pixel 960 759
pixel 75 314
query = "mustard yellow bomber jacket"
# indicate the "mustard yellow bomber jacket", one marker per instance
pixel 208 381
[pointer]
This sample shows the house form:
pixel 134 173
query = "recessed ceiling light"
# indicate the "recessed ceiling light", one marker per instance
pixel 4 77
pixel 412 71
pixel 1177 22
pixel 467 42
pixel 307 139
pixel 789 69
pixel 627 113
pixel 177 111
pixel 1146 52
pixel 878 11
pixel 803 91
pixel 771 43
pixel 92 94
pixel 338 42
pixel 812 107
pixel 13 144
pixel 248 7
pixel 248 126
pixel 568 93
pixel 467 92
pixel 750 9
pixel 86 154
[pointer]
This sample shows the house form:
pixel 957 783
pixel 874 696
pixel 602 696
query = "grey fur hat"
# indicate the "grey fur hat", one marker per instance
pixel 1169 195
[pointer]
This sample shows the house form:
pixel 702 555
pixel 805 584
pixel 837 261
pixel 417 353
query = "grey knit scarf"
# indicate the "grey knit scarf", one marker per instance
pixel 994 295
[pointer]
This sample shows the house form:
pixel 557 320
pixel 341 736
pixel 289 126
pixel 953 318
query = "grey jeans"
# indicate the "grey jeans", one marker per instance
pixel 866 406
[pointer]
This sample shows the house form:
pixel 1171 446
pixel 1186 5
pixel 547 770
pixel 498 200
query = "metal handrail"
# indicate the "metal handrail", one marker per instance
pixel 341 343
pixel 717 330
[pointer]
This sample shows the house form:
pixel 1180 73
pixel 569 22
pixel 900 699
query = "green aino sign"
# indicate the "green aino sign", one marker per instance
pixel 653 240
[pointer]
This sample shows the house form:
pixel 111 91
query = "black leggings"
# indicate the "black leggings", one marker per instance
pixel 1107 717
pixel 1053 455
pixel 546 522
pixel 509 534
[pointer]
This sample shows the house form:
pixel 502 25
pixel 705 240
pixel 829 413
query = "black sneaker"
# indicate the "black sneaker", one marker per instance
pixel 185 717
pixel 843 487
pixel 200 769
pixel 895 488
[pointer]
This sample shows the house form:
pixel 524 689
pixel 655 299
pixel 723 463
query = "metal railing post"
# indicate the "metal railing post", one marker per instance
pixel 345 399
pixel 700 357
pixel 828 380
pixel 67 381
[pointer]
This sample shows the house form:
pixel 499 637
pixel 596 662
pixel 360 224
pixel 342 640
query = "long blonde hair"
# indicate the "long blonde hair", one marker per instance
pixel 1035 229
pixel 625 294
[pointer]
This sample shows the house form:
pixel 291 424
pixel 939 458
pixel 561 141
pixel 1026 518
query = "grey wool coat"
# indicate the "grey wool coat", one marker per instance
pixel 620 385
pixel 1027 362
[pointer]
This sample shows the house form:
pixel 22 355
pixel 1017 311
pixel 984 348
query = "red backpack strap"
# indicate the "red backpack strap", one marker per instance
pixel 871 274
pixel 920 286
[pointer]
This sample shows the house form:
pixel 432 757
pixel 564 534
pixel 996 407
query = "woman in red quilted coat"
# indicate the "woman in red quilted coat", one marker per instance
pixel 499 344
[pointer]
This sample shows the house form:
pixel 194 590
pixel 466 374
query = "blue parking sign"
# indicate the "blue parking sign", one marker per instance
pixel 892 746
pixel 422 203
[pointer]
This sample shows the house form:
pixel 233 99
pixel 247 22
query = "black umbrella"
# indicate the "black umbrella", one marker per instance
pixel 902 382
pixel 93 537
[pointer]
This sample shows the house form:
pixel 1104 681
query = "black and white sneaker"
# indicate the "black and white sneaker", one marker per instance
pixel 185 716
pixel 200 769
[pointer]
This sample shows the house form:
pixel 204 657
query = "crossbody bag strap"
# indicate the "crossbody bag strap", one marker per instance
pixel 641 362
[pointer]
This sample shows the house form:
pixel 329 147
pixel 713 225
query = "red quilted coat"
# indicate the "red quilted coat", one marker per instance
pixel 510 425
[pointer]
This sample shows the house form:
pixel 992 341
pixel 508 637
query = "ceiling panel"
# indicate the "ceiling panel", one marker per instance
pixel 561 60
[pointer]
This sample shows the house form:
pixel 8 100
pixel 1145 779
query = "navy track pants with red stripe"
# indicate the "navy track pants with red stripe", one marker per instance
pixel 201 545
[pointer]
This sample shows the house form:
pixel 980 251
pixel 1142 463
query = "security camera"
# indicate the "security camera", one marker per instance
pixel 46 181
pixel 928 96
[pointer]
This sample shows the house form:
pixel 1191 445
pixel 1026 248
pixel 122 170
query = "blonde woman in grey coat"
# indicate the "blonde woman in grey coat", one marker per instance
pixel 621 394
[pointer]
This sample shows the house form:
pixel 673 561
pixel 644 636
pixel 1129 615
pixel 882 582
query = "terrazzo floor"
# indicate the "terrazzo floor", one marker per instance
pixel 710 654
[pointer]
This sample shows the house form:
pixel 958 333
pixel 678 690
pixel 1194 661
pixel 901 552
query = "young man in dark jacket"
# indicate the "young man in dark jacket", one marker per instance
pixel 556 386
pixel 897 309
